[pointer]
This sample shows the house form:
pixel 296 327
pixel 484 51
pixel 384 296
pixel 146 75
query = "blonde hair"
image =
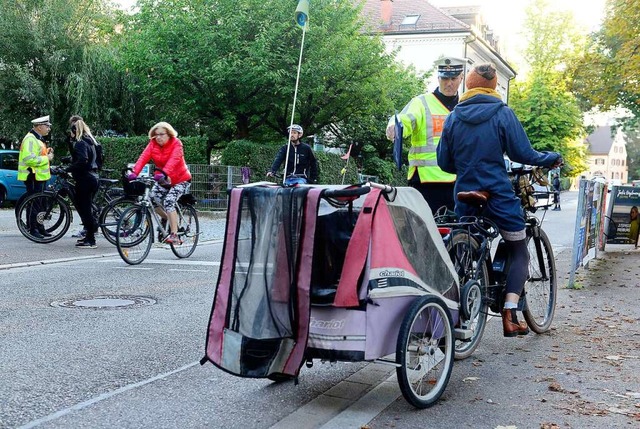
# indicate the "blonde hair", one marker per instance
pixel 82 129
pixel 167 126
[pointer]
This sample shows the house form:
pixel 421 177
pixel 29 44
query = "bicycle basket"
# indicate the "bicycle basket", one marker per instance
pixel 132 189
pixel 526 193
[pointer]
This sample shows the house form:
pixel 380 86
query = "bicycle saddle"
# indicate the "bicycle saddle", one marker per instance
pixel 473 198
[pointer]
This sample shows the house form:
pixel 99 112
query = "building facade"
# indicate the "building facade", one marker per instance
pixel 421 33
pixel 607 155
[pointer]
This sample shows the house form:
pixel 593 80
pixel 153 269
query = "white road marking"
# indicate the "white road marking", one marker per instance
pixel 104 396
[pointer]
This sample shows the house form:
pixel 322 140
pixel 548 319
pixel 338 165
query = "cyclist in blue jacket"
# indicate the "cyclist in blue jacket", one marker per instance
pixel 476 135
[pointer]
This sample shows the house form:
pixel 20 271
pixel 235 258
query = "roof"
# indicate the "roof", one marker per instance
pixel 600 140
pixel 431 19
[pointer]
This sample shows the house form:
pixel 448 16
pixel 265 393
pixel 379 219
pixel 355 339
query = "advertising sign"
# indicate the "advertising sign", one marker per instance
pixel 622 216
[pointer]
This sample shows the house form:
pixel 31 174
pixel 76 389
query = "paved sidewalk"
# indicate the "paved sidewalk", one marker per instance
pixel 595 355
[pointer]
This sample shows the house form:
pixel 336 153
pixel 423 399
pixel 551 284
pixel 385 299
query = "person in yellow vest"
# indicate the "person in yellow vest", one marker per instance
pixel 422 119
pixel 33 167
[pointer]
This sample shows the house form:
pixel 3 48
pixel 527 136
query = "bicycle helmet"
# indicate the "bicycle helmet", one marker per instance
pixel 295 127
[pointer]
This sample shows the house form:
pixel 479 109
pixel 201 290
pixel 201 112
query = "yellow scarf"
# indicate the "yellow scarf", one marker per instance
pixel 477 91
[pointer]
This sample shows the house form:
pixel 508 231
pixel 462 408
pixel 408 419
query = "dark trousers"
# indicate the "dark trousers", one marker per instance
pixel 86 188
pixel 33 187
pixel 435 194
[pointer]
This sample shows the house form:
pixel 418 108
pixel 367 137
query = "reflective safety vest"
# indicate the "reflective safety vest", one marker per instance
pixel 422 120
pixel 33 156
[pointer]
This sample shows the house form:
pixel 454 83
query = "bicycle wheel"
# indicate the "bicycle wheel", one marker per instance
pixel 110 215
pixel 424 351
pixel 463 251
pixel 52 215
pixel 188 232
pixel 542 285
pixel 134 234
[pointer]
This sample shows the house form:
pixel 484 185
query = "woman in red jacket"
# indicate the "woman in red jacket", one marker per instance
pixel 165 150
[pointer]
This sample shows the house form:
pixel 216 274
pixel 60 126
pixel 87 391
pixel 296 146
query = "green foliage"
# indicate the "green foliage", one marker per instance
pixel 330 168
pixel 120 151
pixel 245 153
pixel 633 152
pixel 259 157
pixel 232 65
pixel 607 76
pixel 385 169
pixel 55 60
pixel 549 113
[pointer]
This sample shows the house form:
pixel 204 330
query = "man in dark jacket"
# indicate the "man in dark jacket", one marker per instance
pixel 302 161
pixel 476 135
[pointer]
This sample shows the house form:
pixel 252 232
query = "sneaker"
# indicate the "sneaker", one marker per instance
pixel 80 234
pixel 86 245
pixel 173 239
pixel 44 232
pixel 36 234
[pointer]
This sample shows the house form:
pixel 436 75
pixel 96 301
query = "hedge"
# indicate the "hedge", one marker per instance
pixel 120 151
pixel 259 157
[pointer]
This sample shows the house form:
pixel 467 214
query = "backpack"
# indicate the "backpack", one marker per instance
pixel 99 155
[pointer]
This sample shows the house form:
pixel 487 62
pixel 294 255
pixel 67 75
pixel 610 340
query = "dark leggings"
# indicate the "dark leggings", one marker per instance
pixel 86 188
pixel 519 268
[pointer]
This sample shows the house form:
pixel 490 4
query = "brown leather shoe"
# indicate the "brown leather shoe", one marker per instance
pixel 510 325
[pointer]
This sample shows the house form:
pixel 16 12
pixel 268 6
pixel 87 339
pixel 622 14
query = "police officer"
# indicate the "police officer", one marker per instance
pixel 33 167
pixel 422 119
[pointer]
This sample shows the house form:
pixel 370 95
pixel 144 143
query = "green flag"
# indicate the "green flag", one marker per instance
pixel 302 13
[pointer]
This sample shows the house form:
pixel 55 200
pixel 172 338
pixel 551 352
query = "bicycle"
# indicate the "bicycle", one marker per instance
pixel 54 208
pixel 134 233
pixel 469 242
pixel 290 180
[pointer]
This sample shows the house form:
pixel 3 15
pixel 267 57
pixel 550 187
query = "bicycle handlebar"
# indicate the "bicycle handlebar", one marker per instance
pixel 346 193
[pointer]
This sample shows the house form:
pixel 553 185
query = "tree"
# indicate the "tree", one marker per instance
pixel 228 67
pixel 607 76
pixel 549 113
pixel 55 60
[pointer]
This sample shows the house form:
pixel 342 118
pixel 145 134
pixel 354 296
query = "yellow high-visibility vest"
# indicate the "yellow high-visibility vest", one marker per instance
pixel 422 120
pixel 33 155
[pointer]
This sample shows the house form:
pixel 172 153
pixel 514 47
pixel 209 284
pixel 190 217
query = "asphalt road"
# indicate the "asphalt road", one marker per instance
pixel 137 367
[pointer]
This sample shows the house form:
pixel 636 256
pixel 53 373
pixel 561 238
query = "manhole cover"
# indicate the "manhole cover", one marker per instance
pixel 105 302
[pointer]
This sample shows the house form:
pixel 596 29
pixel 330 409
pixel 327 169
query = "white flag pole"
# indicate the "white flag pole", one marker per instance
pixel 293 110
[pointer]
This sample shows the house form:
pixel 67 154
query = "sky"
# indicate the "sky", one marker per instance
pixel 506 17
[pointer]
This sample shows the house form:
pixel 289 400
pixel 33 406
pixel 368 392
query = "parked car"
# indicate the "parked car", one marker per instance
pixel 10 187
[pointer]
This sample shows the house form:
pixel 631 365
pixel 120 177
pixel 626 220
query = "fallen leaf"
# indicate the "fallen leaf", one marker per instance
pixel 555 387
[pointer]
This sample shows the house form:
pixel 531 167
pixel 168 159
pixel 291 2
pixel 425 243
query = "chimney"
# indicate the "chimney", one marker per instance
pixel 386 10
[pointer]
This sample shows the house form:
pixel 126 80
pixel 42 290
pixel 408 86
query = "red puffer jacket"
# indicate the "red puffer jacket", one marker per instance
pixel 169 158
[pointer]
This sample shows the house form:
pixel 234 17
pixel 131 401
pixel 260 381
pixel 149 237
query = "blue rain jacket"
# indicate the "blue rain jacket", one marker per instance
pixel 476 135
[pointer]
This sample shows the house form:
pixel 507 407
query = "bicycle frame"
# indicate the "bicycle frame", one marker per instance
pixel 470 241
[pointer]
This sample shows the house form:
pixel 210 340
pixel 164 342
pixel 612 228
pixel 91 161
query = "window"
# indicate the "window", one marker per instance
pixel 9 161
pixel 599 161
pixel 410 20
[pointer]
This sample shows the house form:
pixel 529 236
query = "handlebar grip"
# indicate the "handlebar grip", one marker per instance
pixel 346 193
